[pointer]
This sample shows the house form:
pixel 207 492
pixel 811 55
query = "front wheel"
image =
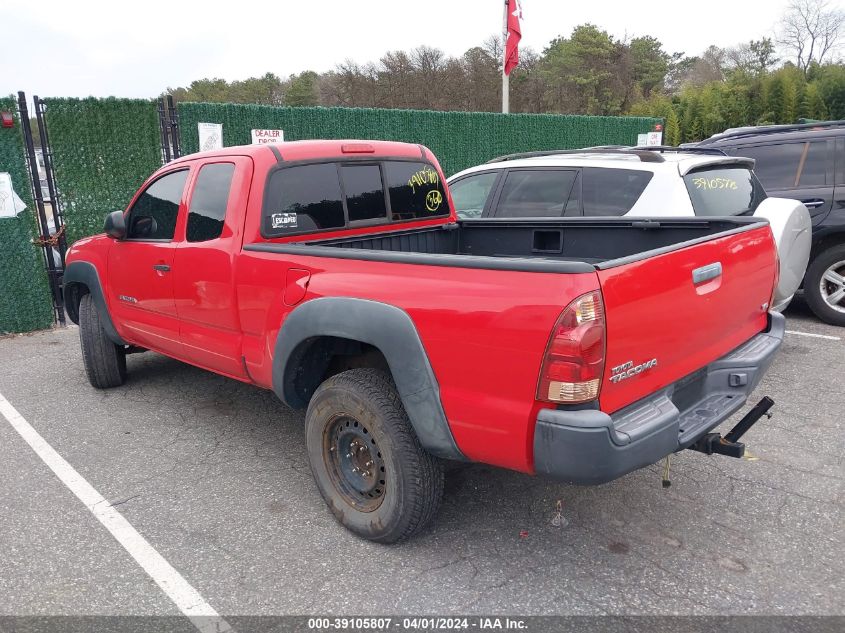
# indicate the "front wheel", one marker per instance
pixel 824 285
pixel 105 362
pixel 376 478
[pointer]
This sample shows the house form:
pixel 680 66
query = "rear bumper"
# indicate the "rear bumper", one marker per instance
pixel 592 447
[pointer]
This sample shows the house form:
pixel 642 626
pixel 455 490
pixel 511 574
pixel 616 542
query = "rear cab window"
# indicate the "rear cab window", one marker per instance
pixel 333 195
pixel 724 191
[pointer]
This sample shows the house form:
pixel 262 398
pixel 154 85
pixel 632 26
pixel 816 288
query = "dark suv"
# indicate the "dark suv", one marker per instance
pixel 807 163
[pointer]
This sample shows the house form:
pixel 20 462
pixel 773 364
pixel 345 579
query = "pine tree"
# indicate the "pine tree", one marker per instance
pixel 813 106
pixel 672 131
pixel 775 98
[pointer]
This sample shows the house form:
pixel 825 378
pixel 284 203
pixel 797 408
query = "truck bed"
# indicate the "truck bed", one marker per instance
pixel 559 245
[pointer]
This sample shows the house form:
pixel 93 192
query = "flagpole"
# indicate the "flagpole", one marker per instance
pixel 505 81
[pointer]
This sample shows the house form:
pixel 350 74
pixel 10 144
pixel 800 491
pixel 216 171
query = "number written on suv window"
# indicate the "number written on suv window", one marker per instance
pixel 728 191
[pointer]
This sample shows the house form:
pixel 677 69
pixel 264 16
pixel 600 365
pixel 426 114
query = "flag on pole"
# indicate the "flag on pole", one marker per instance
pixel 513 35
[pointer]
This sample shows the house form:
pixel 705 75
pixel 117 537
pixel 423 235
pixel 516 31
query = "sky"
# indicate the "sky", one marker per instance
pixel 138 48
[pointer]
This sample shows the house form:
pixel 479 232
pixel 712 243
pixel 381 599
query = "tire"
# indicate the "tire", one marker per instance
pixel 374 475
pixel 818 297
pixel 105 362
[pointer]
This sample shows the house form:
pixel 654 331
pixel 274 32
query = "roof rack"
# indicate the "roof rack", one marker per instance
pixel 685 150
pixel 642 154
pixel 772 129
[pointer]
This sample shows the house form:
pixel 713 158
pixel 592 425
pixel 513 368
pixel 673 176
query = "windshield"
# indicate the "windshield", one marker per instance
pixel 724 191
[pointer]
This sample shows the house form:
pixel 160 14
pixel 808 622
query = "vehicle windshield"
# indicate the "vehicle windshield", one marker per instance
pixel 724 191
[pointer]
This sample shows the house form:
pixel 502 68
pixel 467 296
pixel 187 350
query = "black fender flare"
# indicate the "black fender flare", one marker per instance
pixel 85 273
pixel 393 333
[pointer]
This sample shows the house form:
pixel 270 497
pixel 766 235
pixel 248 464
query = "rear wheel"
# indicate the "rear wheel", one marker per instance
pixel 376 478
pixel 824 285
pixel 105 362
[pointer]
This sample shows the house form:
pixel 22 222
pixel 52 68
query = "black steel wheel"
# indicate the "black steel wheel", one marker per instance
pixel 369 466
pixel 355 463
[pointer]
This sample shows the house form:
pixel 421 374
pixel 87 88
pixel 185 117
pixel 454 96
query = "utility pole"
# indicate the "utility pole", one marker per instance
pixel 505 80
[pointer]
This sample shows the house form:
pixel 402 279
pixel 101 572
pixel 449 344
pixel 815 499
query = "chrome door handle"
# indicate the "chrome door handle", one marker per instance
pixel 812 204
pixel 164 268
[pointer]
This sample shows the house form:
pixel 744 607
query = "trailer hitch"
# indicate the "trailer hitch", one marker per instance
pixel 729 444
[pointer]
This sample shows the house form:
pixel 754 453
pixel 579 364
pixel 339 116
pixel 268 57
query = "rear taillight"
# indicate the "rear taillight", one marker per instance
pixel 574 360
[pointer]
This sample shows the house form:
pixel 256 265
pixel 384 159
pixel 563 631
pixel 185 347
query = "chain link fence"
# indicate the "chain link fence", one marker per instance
pixel 25 302
pixel 458 139
pixel 103 149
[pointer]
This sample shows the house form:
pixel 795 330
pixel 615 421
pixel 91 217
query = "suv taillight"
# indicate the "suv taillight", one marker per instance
pixel 574 360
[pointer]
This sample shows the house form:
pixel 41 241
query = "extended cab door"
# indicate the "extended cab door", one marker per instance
pixel 139 269
pixel 204 264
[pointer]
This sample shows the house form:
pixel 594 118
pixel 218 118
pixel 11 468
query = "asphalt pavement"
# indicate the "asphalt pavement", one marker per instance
pixel 213 474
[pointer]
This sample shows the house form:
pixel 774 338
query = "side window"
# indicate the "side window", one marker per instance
pixel 612 192
pixel 789 165
pixel 415 189
pixel 303 198
pixel 535 193
pixel 209 201
pixel 364 192
pixel 470 193
pixel 153 216
pixel 813 171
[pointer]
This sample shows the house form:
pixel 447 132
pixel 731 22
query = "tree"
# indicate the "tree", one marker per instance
pixel 649 63
pixel 672 129
pixel 755 58
pixel 831 84
pixel 302 89
pixel 813 106
pixel 680 66
pixel 582 73
pixel 709 67
pixel 811 30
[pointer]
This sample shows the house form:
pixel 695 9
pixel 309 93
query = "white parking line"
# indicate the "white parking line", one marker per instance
pixel 183 595
pixel 824 336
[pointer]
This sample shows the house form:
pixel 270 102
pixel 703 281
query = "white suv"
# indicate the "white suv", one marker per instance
pixel 659 182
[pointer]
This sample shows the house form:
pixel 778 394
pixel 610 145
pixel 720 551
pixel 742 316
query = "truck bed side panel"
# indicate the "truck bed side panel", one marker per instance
pixel 484 331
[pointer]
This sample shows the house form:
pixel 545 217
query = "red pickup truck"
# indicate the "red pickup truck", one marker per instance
pixel 336 274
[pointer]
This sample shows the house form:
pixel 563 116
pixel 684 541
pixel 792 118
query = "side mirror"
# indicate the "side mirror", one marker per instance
pixel 115 225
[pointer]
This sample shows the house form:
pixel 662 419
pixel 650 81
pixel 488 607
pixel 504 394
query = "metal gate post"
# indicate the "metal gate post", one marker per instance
pixel 53 273
pixel 47 152
pixel 174 127
pixel 163 128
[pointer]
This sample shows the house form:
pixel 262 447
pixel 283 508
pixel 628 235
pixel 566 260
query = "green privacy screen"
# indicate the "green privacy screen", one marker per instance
pixel 103 149
pixel 458 139
pixel 25 302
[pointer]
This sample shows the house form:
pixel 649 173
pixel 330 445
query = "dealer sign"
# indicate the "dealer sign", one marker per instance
pixel 261 137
